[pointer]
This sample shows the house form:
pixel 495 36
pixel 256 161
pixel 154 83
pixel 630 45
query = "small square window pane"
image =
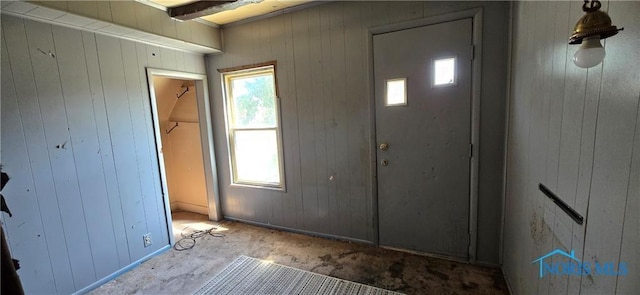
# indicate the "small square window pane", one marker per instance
pixel 256 156
pixel 396 93
pixel 444 71
pixel 254 101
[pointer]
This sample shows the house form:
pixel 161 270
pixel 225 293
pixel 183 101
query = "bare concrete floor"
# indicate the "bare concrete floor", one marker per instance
pixel 183 272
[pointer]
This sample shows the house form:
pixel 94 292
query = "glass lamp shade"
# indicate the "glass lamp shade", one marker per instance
pixel 590 54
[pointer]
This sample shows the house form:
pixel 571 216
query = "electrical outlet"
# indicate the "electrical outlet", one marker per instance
pixel 147 240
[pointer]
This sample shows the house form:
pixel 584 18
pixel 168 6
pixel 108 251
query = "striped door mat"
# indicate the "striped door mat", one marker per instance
pixel 248 275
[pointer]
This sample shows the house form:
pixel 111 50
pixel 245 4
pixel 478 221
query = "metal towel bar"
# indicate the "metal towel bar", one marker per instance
pixel 566 208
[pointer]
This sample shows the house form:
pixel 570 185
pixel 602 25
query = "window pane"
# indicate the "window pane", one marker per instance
pixel 444 71
pixel 253 101
pixel 396 92
pixel 256 156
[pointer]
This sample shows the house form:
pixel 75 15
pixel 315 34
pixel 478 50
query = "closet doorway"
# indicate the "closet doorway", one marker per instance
pixel 184 141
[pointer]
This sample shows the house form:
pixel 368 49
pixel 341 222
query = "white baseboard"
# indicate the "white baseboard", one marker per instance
pixel 204 210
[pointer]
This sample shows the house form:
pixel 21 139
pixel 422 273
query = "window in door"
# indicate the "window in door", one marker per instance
pixel 253 127
pixel 396 93
pixel 444 72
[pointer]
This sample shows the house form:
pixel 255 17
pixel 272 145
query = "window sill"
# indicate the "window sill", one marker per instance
pixel 257 186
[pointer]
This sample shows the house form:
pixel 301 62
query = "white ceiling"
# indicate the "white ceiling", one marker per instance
pixel 240 13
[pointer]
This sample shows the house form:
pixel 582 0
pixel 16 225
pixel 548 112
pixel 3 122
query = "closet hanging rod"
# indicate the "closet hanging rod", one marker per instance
pixel 171 129
pixel 183 92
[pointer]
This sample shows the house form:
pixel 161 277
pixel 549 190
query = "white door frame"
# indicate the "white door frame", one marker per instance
pixel 476 16
pixel 206 135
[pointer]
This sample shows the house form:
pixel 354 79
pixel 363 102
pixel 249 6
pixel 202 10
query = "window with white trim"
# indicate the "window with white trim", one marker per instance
pixel 253 127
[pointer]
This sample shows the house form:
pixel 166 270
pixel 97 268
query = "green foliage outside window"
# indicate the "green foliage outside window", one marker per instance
pixel 254 102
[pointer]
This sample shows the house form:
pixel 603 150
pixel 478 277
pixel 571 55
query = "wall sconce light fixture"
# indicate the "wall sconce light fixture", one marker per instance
pixel 589 30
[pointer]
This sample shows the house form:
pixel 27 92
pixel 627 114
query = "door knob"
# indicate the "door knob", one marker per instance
pixel 384 163
pixel 384 146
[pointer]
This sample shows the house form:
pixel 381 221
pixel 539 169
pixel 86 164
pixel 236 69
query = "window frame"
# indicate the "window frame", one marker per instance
pixel 227 75
pixel 455 71
pixel 404 92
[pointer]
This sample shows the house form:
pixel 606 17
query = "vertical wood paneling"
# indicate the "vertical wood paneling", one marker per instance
pixel 88 8
pixel 404 10
pixel 31 234
pixel 169 27
pixel 291 111
pixel 318 131
pixel 154 58
pixel 537 156
pixel 357 124
pixel 591 153
pixel 124 12
pixel 60 150
pixel 122 139
pixel 534 208
pixel 219 120
pixel 156 21
pixel 183 31
pixel 105 151
pixel 104 10
pixel 582 85
pixel 339 84
pixel 190 63
pixel 168 58
pixel 141 121
pixel 196 61
pixel 380 13
pixel 86 147
pixel 563 175
pixel 199 35
pixel 304 95
pixel 157 218
pixel 325 104
pixel 180 65
pixel 553 114
pixel 616 118
pixel 78 143
pixel 327 206
pixel 62 5
pixel 544 159
pixel 629 250
pixel 143 16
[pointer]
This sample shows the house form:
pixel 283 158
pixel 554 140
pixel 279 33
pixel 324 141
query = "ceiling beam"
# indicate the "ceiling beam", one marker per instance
pixel 203 8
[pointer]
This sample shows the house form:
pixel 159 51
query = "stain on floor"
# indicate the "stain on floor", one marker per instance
pixel 183 272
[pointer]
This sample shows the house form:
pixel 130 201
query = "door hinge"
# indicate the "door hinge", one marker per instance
pixel 470 150
pixel 473 52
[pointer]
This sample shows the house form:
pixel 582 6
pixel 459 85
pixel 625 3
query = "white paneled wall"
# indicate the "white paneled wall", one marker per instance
pixel 578 132
pixel 323 81
pixel 78 143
